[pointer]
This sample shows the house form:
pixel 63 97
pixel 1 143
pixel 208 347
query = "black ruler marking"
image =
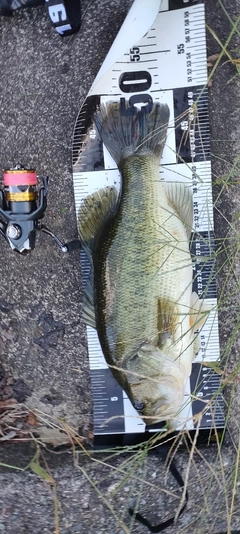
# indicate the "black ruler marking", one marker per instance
pixel 206 385
pixel 107 403
pixel 191 124
pixel 180 4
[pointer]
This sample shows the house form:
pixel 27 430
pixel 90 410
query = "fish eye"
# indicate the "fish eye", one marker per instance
pixel 138 406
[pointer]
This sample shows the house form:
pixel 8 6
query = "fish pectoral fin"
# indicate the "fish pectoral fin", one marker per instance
pixel 167 320
pixel 93 214
pixel 200 310
pixel 88 311
pixel 180 197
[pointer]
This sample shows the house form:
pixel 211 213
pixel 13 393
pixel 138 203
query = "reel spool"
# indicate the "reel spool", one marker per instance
pixel 20 188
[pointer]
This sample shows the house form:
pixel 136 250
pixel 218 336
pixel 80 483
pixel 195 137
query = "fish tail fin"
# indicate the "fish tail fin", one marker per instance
pixel 130 131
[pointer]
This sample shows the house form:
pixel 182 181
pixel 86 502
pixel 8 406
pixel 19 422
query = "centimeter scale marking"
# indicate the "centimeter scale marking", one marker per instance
pixel 167 65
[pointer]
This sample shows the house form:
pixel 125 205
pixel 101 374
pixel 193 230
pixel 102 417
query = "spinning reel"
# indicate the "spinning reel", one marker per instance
pixel 23 202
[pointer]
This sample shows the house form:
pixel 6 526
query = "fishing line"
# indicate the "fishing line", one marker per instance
pixel 163 453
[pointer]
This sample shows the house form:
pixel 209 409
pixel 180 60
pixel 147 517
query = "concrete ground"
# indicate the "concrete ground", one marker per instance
pixel 43 356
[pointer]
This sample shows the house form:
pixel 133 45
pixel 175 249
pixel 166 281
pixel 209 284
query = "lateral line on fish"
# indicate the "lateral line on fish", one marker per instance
pixel 132 338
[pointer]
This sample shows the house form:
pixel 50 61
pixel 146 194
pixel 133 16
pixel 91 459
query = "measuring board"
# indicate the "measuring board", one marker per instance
pixel 158 55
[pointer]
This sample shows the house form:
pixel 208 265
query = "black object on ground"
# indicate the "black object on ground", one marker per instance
pixel 65 15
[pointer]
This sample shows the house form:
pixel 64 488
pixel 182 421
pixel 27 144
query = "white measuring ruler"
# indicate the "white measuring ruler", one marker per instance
pixel 159 55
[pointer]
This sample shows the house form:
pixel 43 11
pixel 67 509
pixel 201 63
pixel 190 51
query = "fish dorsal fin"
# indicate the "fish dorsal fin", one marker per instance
pixel 180 197
pixel 88 313
pixel 94 213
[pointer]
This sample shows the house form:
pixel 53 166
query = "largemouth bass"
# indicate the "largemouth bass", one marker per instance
pixel 139 297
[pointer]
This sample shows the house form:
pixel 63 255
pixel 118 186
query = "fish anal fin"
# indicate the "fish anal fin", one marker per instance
pixel 180 197
pixel 94 212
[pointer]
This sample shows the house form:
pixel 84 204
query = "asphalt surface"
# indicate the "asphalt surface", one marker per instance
pixel 43 354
